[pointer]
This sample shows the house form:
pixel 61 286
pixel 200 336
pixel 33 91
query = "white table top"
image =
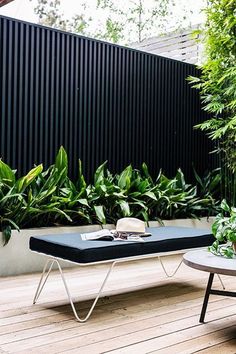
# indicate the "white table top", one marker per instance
pixel 208 262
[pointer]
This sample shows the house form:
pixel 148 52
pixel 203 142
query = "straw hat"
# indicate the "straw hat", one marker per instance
pixel 130 225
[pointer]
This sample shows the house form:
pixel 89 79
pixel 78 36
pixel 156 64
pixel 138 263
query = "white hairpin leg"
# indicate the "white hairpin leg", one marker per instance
pixel 42 283
pixel 221 281
pixel 169 275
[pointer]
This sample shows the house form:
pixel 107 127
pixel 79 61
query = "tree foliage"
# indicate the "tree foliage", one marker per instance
pixel 217 83
pixel 139 18
pixel 118 21
pixel 50 15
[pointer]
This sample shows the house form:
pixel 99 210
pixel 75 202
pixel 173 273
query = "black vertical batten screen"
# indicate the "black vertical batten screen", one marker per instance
pixel 100 101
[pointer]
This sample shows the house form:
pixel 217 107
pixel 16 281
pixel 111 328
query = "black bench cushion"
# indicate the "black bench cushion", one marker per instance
pixel 71 247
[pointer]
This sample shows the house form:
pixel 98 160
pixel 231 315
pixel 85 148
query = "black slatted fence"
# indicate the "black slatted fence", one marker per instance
pixel 100 101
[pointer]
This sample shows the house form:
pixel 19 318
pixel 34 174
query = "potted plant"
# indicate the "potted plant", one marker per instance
pixel 224 230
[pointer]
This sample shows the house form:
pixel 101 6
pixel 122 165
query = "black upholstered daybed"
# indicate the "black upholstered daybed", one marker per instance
pixel 70 247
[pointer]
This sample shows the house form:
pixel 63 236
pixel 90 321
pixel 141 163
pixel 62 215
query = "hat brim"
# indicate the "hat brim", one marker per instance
pixel 141 234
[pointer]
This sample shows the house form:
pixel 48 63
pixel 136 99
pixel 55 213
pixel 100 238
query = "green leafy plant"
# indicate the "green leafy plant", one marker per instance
pixel 178 199
pixel 135 193
pixel 28 201
pixel 12 202
pixel 217 87
pixel 46 198
pixel 224 230
pixel 73 200
pixel 209 187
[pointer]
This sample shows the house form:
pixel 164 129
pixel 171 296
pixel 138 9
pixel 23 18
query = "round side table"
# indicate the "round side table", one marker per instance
pixel 208 262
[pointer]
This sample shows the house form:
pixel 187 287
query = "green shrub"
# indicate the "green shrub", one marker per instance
pixel 45 198
pixel 217 88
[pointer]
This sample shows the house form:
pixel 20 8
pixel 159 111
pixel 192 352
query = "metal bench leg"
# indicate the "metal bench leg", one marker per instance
pixel 41 282
pixel 40 287
pixel 169 275
pixel 221 281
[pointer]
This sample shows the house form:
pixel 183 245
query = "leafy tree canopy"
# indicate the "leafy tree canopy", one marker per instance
pixel 122 21
pixel 217 83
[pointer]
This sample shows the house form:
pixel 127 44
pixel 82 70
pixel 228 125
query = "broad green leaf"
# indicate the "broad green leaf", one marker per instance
pixel 103 188
pixel 30 197
pixel 25 181
pixel 61 164
pixel 125 178
pixel 224 205
pixel 120 195
pixel 99 174
pixel 144 215
pixel 124 207
pixel 61 212
pixel 61 160
pixel 139 203
pixel 135 194
pixel 216 180
pixel 6 174
pixel 7 228
pixel 11 196
pixel 83 202
pixel 150 195
pixel 12 223
pixel 197 177
pixel 43 195
pixel 146 172
pixel 100 213
pixel 143 186
pixel 180 181
pixel 159 176
pixel 6 233
pixel 228 252
pixel 50 209
pixel 79 212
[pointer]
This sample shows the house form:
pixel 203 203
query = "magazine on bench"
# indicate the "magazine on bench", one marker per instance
pixel 113 235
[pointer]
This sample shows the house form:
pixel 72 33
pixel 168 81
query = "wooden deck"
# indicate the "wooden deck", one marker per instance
pixel 142 312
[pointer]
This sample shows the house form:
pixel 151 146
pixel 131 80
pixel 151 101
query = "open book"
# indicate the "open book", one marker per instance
pixel 113 235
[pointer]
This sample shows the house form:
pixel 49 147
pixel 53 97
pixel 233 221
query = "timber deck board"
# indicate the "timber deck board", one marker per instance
pixel 141 311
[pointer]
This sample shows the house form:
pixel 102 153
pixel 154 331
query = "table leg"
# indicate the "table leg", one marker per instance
pixel 206 298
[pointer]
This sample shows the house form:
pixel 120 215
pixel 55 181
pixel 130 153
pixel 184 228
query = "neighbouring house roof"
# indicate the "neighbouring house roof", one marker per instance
pixel 180 45
pixel 4 2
